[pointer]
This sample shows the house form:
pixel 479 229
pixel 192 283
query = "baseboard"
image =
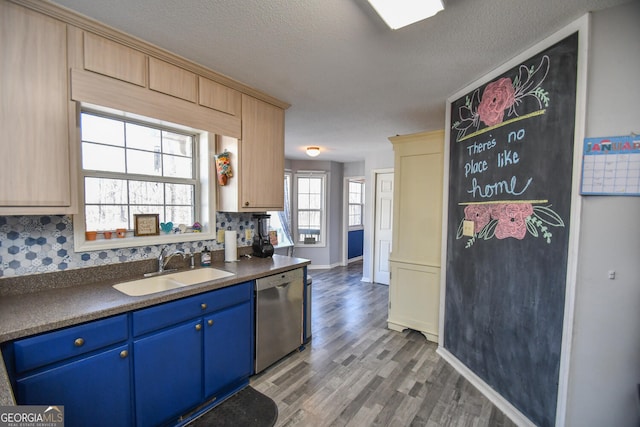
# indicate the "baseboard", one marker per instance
pixel 323 267
pixel 354 259
pixel 501 403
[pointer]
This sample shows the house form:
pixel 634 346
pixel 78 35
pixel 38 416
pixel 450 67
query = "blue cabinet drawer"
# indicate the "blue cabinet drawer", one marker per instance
pixel 167 314
pixel 41 350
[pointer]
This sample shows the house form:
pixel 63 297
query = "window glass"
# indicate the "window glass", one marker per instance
pixel 102 130
pixel 310 208
pixel 143 137
pixel 131 168
pixel 146 193
pixel 280 221
pixel 175 143
pixel 179 167
pixel 356 203
pixel 102 158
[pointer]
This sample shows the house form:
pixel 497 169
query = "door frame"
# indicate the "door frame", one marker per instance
pixel 345 215
pixel 369 226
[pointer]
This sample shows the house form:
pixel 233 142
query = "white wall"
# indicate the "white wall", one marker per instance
pixel 374 160
pixel 353 169
pixel 605 359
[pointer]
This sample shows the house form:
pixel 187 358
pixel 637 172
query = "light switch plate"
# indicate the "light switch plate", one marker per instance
pixel 220 236
pixel 468 228
pixel 247 234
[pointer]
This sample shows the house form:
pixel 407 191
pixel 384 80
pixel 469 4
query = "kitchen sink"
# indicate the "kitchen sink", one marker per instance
pixel 148 286
pixel 167 282
pixel 200 275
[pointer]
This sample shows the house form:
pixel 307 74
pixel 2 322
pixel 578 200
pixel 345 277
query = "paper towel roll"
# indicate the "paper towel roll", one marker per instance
pixel 230 246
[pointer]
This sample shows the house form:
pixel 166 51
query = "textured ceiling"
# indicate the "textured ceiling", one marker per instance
pixel 351 81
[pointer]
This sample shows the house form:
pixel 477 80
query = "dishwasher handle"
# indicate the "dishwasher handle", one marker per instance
pixel 279 280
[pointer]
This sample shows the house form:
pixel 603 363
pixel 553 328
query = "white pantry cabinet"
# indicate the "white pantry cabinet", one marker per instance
pixel 414 289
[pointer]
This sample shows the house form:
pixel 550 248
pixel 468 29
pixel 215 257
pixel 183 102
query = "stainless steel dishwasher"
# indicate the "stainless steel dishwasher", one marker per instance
pixel 278 317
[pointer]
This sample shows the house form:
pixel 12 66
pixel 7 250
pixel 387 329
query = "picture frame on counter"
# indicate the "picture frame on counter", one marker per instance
pixel 146 225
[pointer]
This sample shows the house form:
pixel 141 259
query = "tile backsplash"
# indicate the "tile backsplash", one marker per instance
pixel 39 244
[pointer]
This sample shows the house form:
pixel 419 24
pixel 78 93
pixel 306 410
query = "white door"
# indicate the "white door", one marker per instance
pixel 383 227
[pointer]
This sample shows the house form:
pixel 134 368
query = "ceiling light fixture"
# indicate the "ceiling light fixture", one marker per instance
pixel 400 13
pixel 313 151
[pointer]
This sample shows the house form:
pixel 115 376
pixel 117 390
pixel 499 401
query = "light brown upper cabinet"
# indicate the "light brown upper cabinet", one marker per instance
pixel 35 175
pixel 219 97
pixel 172 80
pixel 114 60
pixel 262 155
pixel 257 160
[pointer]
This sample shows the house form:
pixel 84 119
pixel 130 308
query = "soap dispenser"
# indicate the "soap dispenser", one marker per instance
pixel 205 258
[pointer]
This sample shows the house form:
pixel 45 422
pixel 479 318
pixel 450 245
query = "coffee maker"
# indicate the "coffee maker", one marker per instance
pixel 262 247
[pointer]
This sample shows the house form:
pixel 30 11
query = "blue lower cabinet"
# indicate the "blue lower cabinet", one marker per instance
pixel 180 356
pixel 227 348
pixel 168 373
pixel 95 391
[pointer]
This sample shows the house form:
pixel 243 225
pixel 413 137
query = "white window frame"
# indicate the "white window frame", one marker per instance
pixel 361 204
pixel 323 210
pixel 204 198
pixel 288 183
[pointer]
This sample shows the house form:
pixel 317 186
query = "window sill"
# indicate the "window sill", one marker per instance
pixel 83 245
pixel 311 245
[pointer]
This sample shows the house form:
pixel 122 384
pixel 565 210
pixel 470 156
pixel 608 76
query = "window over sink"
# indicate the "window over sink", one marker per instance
pixel 131 166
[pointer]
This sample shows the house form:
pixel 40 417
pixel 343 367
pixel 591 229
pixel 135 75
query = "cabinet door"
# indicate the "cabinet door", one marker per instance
pixel 34 135
pixel 114 60
pixel 262 155
pixel 172 80
pixel 219 97
pixel 168 373
pixel 227 348
pixel 95 391
pixel 414 299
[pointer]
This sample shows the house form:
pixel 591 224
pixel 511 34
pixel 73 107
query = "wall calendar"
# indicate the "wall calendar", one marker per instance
pixel 611 166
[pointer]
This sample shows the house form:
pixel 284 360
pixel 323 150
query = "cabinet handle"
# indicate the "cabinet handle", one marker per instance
pixel 210 322
pixel 203 306
pixel 198 327
pixel 246 203
pixel 79 342
pixel 124 354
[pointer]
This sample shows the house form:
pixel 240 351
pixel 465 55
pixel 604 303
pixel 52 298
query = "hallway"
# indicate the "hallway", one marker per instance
pixel 356 372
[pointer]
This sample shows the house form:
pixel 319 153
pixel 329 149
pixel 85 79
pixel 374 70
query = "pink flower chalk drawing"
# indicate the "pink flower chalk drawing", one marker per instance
pixel 502 98
pixel 509 220
pixel 496 98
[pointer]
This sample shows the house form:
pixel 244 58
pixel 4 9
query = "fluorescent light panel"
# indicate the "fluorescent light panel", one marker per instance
pixel 400 13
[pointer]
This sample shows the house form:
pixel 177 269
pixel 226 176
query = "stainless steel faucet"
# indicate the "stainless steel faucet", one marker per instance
pixel 162 260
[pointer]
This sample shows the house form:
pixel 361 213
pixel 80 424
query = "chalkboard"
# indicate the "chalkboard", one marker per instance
pixel 510 179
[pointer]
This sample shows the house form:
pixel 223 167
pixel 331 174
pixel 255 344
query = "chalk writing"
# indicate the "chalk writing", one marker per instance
pixel 507 157
pixel 479 147
pixel 475 167
pixel 515 136
pixel 497 188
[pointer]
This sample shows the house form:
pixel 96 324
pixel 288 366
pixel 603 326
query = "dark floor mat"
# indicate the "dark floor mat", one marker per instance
pixel 247 408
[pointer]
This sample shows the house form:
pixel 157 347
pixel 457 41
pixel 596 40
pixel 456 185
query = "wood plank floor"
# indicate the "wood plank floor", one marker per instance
pixel 356 372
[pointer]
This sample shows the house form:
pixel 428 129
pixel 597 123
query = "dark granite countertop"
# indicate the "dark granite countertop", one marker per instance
pixel 53 307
